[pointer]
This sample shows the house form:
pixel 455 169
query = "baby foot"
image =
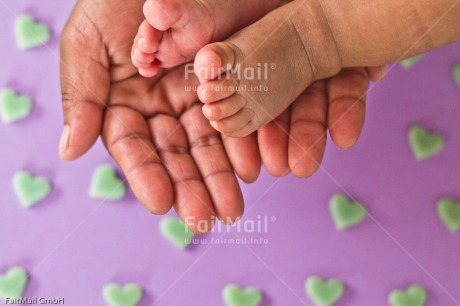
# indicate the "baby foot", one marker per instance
pixel 174 30
pixel 252 77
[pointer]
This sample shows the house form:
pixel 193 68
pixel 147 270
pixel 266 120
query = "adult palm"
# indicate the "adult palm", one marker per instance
pixel 155 130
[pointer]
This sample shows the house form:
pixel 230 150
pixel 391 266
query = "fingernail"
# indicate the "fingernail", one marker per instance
pixel 148 5
pixel 141 42
pixel 213 124
pixel 207 112
pixel 135 53
pixel 64 141
pixel 203 94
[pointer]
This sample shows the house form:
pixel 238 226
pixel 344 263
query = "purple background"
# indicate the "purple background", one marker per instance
pixel 73 246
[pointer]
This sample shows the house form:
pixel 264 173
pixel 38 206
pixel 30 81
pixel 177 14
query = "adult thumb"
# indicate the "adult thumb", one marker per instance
pixel 85 82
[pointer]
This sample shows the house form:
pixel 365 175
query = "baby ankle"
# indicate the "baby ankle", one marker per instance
pixel 313 29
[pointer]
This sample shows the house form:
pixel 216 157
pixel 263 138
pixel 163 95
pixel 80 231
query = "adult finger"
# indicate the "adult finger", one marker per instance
pixel 308 137
pixel 377 74
pixel 85 84
pixel 347 97
pixel 243 154
pixel 273 144
pixel 178 90
pixel 192 200
pixel 211 159
pixel 128 140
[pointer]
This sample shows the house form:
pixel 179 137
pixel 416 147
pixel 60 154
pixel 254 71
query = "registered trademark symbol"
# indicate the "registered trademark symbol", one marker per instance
pixel 273 219
pixel 273 66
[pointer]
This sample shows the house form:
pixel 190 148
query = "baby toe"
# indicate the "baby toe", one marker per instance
pixel 223 109
pixel 142 60
pixel 213 60
pixel 239 125
pixel 217 90
pixel 148 38
pixel 150 71
pixel 142 57
pixel 163 14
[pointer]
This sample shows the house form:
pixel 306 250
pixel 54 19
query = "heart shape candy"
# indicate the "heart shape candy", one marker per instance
pixel 175 231
pixel 30 190
pixel 345 212
pixel 13 107
pixel 13 283
pixel 414 296
pixel 29 33
pixel 116 295
pixel 449 213
pixel 408 63
pixel 456 74
pixel 324 293
pixel 105 184
pixel 233 295
pixel 423 143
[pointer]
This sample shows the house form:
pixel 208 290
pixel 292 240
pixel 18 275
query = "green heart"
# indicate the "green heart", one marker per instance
pixel 115 295
pixel 414 296
pixel 324 293
pixel 30 34
pixel 176 232
pixel 449 213
pixel 456 73
pixel 13 107
pixel 235 296
pixel 424 144
pixel 105 185
pixel 408 63
pixel 30 190
pixel 13 283
pixel 344 212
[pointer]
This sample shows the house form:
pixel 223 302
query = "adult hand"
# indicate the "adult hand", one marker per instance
pixel 153 128
pixel 296 140
pixel 155 131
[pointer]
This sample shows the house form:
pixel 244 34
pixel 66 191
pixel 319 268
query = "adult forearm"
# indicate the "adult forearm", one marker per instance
pixel 370 33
